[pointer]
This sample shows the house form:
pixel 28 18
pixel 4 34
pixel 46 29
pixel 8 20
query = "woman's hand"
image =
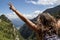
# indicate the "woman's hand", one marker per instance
pixel 11 6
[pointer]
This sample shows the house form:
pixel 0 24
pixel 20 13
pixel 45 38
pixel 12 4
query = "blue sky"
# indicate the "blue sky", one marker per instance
pixel 27 7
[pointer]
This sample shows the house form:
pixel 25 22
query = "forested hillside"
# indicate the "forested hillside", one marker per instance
pixel 8 30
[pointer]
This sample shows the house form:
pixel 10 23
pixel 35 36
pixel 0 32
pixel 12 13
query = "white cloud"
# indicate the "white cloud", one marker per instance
pixel 44 2
pixel 38 11
pixel 58 2
pixel 11 15
pixel 33 14
pixel 29 16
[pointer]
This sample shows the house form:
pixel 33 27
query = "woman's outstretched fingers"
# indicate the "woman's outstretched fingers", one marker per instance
pixel 11 6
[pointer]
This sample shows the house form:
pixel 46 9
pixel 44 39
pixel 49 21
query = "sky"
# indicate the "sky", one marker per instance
pixel 29 8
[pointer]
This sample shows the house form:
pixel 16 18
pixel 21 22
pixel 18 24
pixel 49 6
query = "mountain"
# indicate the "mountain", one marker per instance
pixel 27 33
pixel 17 22
pixel 55 11
pixel 8 30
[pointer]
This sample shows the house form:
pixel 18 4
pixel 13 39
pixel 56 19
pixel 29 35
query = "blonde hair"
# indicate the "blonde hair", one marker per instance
pixel 45 20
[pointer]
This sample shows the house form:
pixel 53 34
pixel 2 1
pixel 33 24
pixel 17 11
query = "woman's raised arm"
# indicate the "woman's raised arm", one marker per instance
pixel 21 16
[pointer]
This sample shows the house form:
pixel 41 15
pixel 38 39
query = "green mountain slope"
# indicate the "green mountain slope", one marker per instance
pixel 7 30
pixel 55 11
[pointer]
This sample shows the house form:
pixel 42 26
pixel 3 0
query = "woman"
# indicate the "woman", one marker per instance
pixel 46 27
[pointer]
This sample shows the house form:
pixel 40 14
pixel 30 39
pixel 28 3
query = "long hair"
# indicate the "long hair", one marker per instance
pixel 46 23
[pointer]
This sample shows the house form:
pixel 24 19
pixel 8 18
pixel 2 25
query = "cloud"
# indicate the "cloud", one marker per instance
pixel 33 14
pixel 29 16
pixel 58 2
pixel 38 11
pixel 11 15
pixel 44 2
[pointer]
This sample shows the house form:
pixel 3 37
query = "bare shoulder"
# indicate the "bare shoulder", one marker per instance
pixel 58 23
